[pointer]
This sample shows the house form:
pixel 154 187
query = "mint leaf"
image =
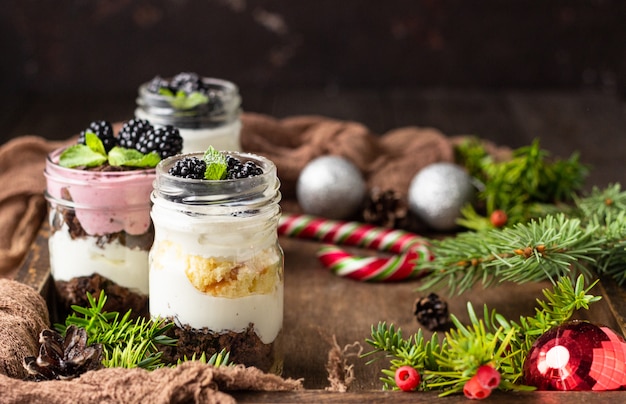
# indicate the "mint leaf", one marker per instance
pixel 94 143
pixel 166 92
pixel 120 156
pixel 183 101
pixel 194 99
pixel 81 155
pixel 215 164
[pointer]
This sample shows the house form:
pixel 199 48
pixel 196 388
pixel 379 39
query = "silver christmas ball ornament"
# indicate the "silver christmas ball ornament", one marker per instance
pixel 438 192
pixel 331 187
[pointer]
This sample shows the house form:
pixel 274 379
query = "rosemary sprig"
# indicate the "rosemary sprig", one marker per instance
pixel 125 342
pixel 493 340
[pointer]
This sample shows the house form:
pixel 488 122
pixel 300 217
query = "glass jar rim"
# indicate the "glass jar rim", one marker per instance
pixel 227 191
pixel 225 91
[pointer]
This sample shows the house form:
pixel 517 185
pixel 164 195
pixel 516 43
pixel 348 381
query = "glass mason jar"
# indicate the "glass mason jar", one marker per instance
pixel 99 223
pixel 216 123
pixel 216 268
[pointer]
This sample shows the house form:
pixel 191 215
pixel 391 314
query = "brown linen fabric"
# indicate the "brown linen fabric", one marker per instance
pixel 22 205
pixel 23 315
pixel 386 161
pixel 190 382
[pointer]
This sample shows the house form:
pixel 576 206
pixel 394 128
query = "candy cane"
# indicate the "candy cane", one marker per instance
pixel 411 247
pixel 373 269
pixel 348 233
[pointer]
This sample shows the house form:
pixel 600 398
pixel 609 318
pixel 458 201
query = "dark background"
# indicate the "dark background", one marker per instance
pixel 509 71
pixel 99 46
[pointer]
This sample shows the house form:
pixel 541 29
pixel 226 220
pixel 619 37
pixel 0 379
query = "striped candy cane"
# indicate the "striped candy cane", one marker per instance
pixel 409 247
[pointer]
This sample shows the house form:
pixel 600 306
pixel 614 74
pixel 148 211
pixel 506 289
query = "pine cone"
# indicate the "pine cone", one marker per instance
pixel 385 208
pixel 64 358
pixel 431 312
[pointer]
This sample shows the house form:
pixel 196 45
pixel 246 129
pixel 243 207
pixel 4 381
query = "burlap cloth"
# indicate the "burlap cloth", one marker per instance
pixel 387 161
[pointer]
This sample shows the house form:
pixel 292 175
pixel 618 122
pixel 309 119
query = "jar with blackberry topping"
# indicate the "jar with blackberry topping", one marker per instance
pixel 98 192
pixel 216 267
pixel 205 110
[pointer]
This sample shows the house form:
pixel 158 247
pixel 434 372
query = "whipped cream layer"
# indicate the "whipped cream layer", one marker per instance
pixel 84 256
pixel 173 295
pixel 222 275
pixel 221 138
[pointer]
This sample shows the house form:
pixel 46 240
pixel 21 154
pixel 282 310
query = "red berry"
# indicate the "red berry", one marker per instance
pixel 499 218
pixel 474 390
pixel 407 378
pixel 488 377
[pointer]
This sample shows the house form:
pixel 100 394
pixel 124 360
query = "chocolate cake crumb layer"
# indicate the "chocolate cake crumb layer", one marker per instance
pixel 119 298
pixel 244 347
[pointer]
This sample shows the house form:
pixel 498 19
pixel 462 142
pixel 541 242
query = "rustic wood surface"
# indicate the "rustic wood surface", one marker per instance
pixel 320 306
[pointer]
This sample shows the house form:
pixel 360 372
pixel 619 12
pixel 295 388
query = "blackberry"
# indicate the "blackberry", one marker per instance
pixel 189 167
pixel 157 83
pixel 165 140
pixel 131 131
pixel 236 169
pixel 104 131
pixel 188 82
pixel 431 312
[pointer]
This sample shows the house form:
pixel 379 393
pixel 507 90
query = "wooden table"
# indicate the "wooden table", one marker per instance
pixel 319 305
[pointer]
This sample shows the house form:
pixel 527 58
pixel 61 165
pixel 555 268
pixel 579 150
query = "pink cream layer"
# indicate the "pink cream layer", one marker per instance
pixel 104 202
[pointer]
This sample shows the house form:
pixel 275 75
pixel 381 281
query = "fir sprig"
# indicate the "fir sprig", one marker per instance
pixel 600 204
pixel 125 342
pixel 493 340
pixel 546 248
pixel 414 351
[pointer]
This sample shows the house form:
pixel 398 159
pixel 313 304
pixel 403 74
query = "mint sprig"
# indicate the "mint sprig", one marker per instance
pixel 182 100
pixel 120 156
pixel 90 154
pixel 215 164
pixel 81 155
pixel 93 154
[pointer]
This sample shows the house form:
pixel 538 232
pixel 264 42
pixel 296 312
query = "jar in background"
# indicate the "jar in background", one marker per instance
pixel 99 223
pixel 216 268
pixel 216 122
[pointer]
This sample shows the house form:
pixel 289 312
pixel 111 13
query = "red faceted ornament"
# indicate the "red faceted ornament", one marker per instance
pixel 577 356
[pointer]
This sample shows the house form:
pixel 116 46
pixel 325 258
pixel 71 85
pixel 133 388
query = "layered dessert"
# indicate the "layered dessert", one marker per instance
pixel 205 110
pixel 216 269
pixel 98 193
